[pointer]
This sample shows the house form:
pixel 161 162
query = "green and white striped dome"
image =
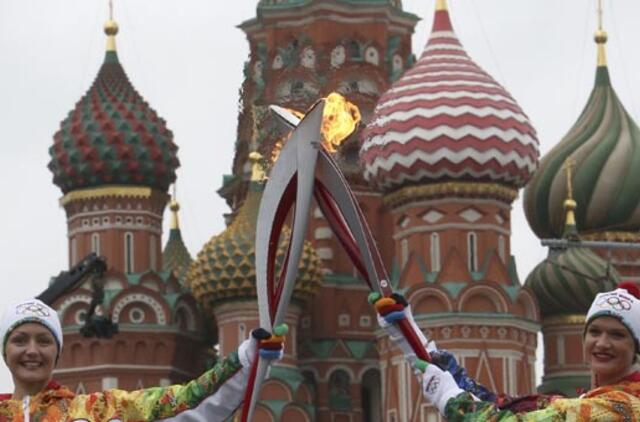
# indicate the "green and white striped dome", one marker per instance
pixel 605 145
pixel 568 282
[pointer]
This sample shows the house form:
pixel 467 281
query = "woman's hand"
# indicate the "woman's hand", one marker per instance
pixel 269 346
pixel 389 311
pixel 438 386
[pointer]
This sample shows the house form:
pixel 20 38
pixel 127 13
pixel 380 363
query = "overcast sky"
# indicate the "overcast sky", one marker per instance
pixel 185 57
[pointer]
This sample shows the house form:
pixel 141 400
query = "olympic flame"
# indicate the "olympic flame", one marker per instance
pixel 339 120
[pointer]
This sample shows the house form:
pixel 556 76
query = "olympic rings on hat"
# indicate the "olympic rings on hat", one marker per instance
pixel 32 308
pixel 614 302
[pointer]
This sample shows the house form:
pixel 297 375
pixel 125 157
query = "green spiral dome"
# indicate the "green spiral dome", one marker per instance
pixel 568 282
pixel 605 144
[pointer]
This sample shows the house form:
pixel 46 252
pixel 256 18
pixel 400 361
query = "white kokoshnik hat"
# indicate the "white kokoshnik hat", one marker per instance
pixel 32 310
pixel 622 303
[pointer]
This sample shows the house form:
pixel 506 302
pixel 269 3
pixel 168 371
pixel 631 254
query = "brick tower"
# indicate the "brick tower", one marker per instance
pixel 449 148
pixel 301 51
pixel 114 159
pixel 602 150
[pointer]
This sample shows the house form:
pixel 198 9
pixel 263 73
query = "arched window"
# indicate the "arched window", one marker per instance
pixel 128 253
pixel 502 248
pixel 435 252
pixel 354 50
pixel 309 380
pixel 371 393
pixel 95 243
pixel 339 396
pixel 472 251
pixel 153 253
pixel 404 252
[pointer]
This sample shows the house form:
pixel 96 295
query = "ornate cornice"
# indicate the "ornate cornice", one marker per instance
pixel 575 319
pixel 108 191
pixel 612 236
pixel 458 189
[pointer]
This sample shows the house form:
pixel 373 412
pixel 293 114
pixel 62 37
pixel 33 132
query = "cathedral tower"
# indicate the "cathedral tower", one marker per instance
pixel 601 151
pixel 114 159
pixel 301 51
pixel 450 148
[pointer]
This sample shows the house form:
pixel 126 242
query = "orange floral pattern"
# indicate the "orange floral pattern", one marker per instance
pixel 62 405
pixel 620 402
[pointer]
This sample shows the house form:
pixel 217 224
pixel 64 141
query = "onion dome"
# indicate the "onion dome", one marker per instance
pixel 112 136
pixel 176 256
pixel 225 267
pixel 446 119
pixel 567 282
pixel 570 278
pixel 605 144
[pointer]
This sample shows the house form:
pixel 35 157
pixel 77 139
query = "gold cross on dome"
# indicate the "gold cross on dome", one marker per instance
pixel 568 166
pixel 599 14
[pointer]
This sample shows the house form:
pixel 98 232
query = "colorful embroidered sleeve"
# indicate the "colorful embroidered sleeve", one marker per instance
pixel 611 406
pixel 154 403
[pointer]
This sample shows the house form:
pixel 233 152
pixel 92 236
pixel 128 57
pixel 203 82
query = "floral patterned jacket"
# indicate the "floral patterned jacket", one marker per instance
pixel 211 397
pixel 620 402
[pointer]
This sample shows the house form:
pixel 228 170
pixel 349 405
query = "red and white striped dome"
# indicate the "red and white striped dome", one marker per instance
pixel 447 119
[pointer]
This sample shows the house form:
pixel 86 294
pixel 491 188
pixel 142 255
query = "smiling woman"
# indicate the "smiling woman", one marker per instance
pixel 32 343
pixel 611 346
pixel 610 350
pixel 31 353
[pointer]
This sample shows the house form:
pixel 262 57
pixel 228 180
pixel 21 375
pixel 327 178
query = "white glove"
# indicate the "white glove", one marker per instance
pixel 227 399
pixel 396 336
pixel 247 351
pixel 438 386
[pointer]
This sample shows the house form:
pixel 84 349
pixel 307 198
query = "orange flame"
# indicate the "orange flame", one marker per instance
pixel 340 118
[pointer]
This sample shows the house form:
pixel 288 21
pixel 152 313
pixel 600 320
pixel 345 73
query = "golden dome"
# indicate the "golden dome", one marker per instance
pixel 225 267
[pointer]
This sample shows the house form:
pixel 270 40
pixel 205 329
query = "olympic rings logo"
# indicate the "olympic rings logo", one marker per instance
pixel 615 302
pixel 432 385
pixel 34 309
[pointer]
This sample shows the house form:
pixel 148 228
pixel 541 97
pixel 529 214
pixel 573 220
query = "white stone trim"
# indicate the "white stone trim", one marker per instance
pixel 433 203
pixel 322 233
pixel 71 300
pixel 109 383
pixel 325 253
pixel 142 298
pixel 450 226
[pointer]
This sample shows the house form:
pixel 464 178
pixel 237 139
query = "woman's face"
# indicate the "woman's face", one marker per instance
pixel 31 352
pixel 609 348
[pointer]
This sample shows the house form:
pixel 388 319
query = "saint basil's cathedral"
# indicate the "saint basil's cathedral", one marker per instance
pixel 442 153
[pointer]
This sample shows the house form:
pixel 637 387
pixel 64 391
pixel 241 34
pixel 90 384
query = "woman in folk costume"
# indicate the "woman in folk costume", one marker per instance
pixel 32 343
pixel 611 346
